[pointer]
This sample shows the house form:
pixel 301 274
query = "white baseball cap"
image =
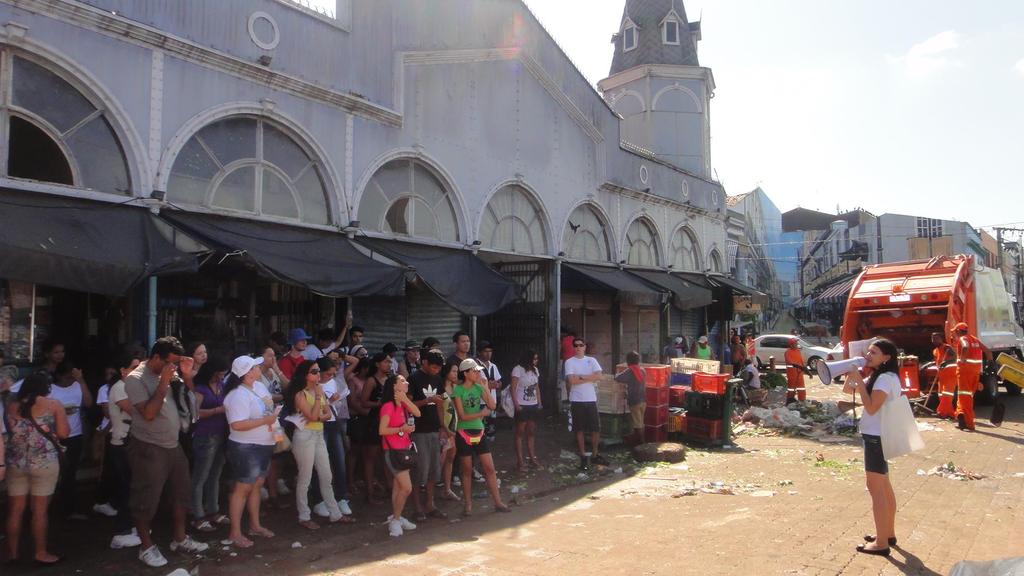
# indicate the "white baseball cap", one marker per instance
pixel 241 366
pixel 703 340
pixel 470 364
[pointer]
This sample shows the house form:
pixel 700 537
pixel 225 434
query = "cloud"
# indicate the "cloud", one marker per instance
pixel 930 56
pixel 1019 66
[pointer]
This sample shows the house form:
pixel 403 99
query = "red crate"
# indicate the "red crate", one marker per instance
pixel 655 433
pixel 677 396
pixel 710 383
pixel 703 429
pixel 656 415
pixel 657 396
pixel 657 375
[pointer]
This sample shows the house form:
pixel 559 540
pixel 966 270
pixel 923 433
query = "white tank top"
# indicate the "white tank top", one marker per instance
pixel 71 398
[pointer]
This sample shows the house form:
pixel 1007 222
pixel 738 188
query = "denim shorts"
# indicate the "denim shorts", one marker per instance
pixel 249 462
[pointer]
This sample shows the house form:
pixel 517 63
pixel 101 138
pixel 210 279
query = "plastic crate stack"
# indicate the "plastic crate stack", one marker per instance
pixel 656 415
pixel 612 408
pixel 705 406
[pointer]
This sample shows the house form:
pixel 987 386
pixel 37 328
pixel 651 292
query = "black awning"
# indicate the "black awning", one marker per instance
pixel 82 244
pixel 585 277
pixel 736 287
pixel 686 294
pixel 458 277
pixel 697 279
pixel 325 262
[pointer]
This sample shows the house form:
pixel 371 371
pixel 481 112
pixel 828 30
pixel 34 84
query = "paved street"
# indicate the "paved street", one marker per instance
pixel 797 507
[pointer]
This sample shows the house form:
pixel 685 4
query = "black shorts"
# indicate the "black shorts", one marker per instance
pixel 464 449
pixel 584 417
pixel 874 459
pixel 530 413
pixel 357 429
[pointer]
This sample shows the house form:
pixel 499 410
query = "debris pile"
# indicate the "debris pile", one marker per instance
pixel 825 421
pixel 953 472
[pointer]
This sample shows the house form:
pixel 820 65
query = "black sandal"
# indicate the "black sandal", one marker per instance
pixel 870 538
pixel 873 551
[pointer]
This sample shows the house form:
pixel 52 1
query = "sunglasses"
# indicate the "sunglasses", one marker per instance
pixel 580 345
pixel 314 371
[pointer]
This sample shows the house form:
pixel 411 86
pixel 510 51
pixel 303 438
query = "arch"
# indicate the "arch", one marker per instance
pixel 642 242
pixel 628 96
pixel 59 97
pixel 715 262
pixel 685 250
pixel 677 88
pixel 586 233
pixel 406 196
pixel 282 125
pixel 505 204
pixel 436 169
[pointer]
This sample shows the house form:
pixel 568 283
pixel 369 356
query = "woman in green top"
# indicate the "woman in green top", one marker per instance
pixel 473 402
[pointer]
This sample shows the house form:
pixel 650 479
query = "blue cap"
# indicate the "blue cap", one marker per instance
pixel 297 334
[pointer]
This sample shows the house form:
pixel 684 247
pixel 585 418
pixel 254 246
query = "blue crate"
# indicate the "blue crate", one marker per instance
pixel 678 379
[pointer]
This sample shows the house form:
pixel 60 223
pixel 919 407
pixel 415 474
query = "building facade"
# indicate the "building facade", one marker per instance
pixel 389 135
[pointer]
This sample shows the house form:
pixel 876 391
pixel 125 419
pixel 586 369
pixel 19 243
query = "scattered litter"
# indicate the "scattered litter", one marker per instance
pixel 928 427
pixel 1019 475
pixel 233 554
pixel 296 545
pixel 226 548
pixel 178 572
pixel 763 493
pixel 582 476
pixel 710 489
pixel 954 472
pixel 793 492
pixel 687 492
pixel 566 455
pixel 618 470
pixel 785 482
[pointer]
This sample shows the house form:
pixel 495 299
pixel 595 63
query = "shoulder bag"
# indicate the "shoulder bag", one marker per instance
pixel 401 459
pixel 899 429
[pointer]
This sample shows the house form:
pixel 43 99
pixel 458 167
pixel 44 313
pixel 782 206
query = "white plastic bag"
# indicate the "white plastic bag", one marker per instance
pixel 900 435
pixel 507 405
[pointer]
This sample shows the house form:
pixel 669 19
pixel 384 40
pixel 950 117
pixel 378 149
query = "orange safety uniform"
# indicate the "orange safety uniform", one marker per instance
pixel 795 375
pixel 969 363
pixel 947 382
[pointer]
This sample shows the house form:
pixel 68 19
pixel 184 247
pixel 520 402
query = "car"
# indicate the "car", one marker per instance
pixel 775 345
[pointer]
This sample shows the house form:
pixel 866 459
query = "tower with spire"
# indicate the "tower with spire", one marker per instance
pixel 658 87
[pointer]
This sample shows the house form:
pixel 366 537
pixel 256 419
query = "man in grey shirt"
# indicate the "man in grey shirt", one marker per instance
pixel 154 455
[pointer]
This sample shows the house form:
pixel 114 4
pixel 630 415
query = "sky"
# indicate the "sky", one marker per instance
pixel 911 107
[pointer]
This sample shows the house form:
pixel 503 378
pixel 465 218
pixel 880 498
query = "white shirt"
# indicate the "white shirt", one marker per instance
pixel 245 404
pixel 872 423
pixel 755 380
pixel 526 386
pixel 120 420
pixel 71 399
pixel 585 392
pixel 335 386
pixel 491 372
pixel 102 397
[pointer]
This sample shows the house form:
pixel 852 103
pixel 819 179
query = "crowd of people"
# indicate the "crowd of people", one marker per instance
pixel 327 420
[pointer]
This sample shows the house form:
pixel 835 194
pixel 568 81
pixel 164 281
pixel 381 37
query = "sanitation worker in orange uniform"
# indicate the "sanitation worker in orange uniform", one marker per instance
pixel 969 363
pixel 795 370
pixel 944 356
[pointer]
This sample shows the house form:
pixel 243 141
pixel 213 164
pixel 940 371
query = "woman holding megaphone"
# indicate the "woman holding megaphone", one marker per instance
pixel 882 359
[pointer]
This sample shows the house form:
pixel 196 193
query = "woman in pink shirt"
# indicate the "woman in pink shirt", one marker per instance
pixel 396 424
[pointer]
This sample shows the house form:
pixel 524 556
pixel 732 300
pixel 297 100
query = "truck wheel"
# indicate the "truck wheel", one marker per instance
pixel 1011 389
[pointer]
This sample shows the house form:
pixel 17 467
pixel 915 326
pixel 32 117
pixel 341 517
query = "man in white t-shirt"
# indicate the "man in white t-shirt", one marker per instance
pixel 581 372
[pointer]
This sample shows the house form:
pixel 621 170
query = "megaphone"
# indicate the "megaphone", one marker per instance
pixel 827 371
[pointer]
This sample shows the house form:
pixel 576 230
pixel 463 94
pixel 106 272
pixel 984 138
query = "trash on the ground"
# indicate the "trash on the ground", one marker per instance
pixel 763 493
pixel 785 482
pixel 180 572
pixel 618 470
pixel 660 452
pixel 928 427
pixel 566 455
pixel 715 488
pixel 954 472
pixel 1019 475
pixel 582 476
pixel 296 544
pixel 793 492
pixel 687 492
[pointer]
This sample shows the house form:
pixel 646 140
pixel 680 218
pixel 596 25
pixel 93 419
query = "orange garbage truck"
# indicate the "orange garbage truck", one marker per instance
pixel 907 302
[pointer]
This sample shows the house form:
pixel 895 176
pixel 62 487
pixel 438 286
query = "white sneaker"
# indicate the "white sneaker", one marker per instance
pixel 120 541
pixel 282 487
pixel 264 495
pixel 457 482
pixel 394 528
pixel 106 509
pixel 321 510
pixel 478 476
pixel 152 557
pixel 346 510
pixel 189 546
pixel 406 525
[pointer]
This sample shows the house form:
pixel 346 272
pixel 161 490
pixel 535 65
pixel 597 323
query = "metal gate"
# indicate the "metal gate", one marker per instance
pixel 689 323
pixel 384 319
pixel 429 316
pixel 522 325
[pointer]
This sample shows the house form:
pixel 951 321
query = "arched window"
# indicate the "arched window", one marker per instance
pixel 56 133
pixel 247 164
pixel 586 236
pixel 715 262
pixel 685 251
pixel 642 241
pixel 404 197
pixel 513 222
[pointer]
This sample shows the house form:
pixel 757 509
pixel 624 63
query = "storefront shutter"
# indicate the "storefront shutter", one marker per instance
pixel 429 316
pixel 383 317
